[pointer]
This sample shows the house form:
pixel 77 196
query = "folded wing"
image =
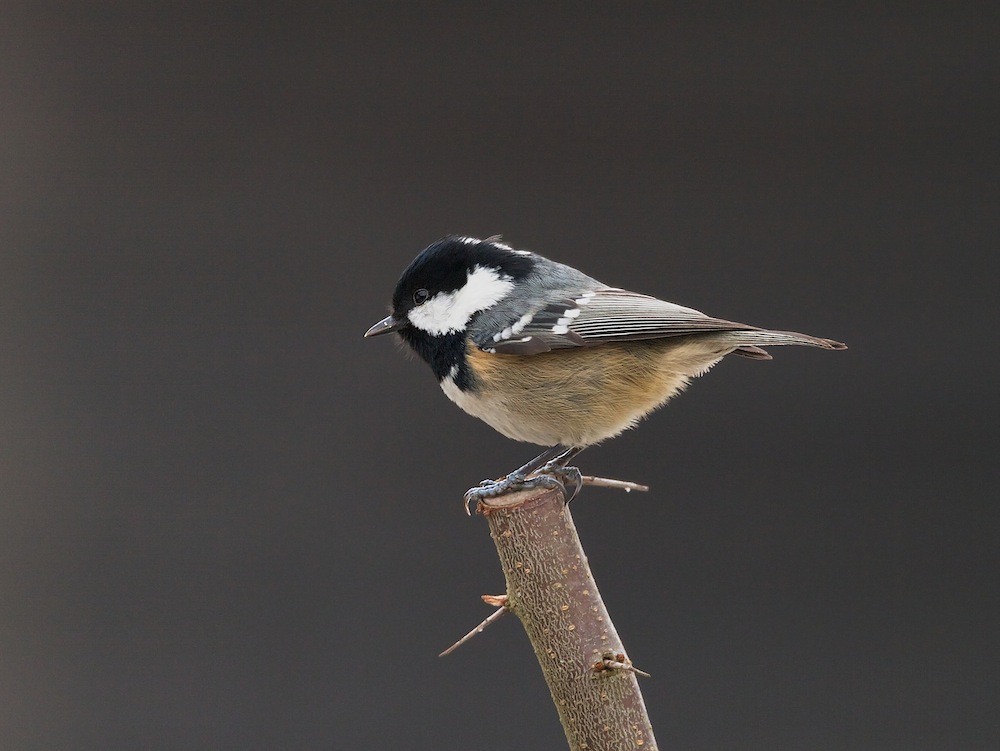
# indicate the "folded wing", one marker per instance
pixel 595 317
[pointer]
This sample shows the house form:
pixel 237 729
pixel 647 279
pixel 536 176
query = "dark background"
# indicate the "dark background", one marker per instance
pixel 229 522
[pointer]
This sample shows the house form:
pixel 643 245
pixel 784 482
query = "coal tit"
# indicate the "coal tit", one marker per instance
pixel 545 354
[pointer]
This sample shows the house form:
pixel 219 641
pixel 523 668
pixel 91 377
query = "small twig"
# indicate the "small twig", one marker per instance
pixel 500 600
pixel 604 482
pixel 611 661
pixel 597 482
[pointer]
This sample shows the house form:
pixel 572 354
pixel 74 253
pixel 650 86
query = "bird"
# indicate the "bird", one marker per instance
pixel 545 354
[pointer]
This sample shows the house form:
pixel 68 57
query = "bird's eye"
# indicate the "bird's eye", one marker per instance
pixel 420 296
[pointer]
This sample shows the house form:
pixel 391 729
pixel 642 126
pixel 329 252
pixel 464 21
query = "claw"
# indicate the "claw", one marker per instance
pixel 566 479
pixel 569 477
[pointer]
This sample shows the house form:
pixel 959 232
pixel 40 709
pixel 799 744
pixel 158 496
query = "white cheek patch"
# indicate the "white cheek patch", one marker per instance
pixel 449 312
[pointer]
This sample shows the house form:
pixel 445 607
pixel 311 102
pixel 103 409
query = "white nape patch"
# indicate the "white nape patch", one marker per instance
pixel 495 240
pixel 449 312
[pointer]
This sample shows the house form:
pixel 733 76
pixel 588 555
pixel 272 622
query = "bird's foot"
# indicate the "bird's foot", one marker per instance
pixel 568 477
pixel 551 476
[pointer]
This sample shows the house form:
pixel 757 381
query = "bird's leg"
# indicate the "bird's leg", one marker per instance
pixel 547 470
pixel 568 476
pixel 572 480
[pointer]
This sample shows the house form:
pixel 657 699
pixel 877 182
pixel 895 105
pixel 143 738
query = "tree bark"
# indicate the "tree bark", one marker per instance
pixel 552 591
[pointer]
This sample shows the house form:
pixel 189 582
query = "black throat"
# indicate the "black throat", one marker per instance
pixel 443 353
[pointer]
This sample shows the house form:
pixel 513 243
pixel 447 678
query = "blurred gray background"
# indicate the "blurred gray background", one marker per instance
pixel 229 522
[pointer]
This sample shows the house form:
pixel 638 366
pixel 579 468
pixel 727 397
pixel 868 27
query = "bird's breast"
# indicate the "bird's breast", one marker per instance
pixel 577 397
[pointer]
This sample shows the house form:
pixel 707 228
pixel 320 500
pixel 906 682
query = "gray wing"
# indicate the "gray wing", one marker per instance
pixel 598 316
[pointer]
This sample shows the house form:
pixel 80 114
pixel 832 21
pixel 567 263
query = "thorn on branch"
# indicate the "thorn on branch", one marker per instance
pixel 501 602
pixel 613 661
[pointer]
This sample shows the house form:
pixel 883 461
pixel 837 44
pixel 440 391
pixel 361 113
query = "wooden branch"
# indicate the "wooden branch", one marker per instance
pixel 551 590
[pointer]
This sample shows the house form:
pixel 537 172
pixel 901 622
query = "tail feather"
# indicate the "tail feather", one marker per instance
pixel 748 343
